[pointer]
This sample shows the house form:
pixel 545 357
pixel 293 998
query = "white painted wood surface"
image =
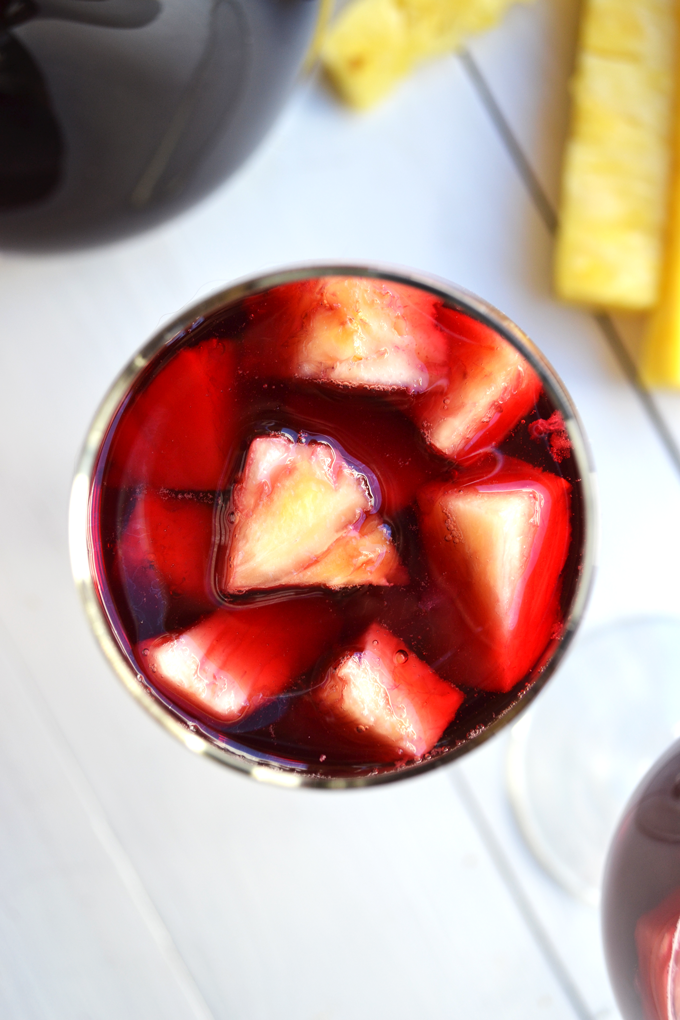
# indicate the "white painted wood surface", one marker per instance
pixel 139 881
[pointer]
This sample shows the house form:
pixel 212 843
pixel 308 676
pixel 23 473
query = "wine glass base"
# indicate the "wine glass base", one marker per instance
pixel 576 757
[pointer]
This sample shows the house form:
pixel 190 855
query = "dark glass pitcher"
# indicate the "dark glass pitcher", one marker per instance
pixel 115 114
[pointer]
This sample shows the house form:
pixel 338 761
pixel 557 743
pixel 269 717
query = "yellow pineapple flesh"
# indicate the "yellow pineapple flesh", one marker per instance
pixel 617 162
pixel 374 43
pixel 661 351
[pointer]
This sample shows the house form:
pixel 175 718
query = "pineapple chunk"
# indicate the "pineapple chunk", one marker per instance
pixel 363 555
pixel 370 333
pixel 617 162
pixel 303 516
pixel 374 43
pixel 382 694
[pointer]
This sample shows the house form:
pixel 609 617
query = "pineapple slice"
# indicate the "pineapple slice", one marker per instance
pixel 374 43
pixel 617 162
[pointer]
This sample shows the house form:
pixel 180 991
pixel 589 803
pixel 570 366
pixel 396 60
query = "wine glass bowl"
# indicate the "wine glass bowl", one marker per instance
pixel 575 758
pixel 641 898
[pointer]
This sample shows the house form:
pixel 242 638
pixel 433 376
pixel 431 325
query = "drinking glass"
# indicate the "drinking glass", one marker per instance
pixel 641 897
pixel 115 114
pixel 575 758
pixel 249 309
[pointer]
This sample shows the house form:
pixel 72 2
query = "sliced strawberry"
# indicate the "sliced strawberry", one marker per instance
pixel 382 694
pixel 235 660
pixel 657 938
pixel 488 387
pixel 167 546
pixel 497 540
pixel 300 517
pixel 179 431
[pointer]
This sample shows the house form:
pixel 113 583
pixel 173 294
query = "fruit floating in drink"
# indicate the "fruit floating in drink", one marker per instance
pixel 336 526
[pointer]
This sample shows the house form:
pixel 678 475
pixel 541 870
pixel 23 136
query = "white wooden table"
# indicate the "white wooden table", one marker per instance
pixel 140 882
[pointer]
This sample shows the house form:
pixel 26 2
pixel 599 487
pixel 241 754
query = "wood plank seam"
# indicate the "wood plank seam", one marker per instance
pixel 106 836
pixel 522 902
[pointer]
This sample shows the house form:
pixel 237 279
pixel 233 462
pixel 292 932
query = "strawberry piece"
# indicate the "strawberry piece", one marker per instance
pixel 301 517
pixel 179 431
pixel 497 539
pixel 554 430
pixel 235 660
pixel 488 387
pixel 166 547
pixel 384 695
pixel 657 938
pixel 275 322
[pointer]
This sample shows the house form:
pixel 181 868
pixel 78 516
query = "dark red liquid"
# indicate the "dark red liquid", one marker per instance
pixel 641 904
pixel 115 114
pixel 374 429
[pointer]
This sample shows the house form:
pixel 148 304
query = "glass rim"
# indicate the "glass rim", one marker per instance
pixel 192 317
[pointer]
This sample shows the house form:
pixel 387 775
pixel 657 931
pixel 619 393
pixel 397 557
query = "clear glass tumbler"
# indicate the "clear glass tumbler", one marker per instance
pixel 333 526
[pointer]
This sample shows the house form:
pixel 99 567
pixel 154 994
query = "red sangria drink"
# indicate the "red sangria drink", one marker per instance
pixel 336 529
pixel 641 898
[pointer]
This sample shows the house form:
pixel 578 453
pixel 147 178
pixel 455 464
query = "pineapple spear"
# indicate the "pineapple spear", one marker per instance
pixel 614 207
pixel 372 44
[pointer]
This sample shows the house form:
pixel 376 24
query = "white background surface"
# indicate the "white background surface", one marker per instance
pixel 139 882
